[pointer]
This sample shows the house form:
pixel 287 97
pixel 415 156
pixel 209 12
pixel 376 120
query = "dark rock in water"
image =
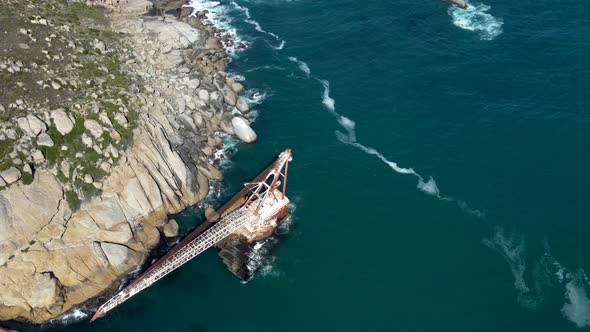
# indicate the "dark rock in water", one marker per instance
pixel 458 3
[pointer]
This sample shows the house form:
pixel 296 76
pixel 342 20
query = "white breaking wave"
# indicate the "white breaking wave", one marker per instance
pixel 302 65
pixel 71 317
pixel 269 270
pixel 429 187
pixel 217 16
pixel 577 303
pixel 256 25
pixel 475 18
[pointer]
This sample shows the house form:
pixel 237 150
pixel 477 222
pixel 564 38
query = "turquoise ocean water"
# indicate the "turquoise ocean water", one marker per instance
pixel 439 178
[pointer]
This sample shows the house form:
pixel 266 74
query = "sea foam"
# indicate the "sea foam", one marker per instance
pixel 475 18
pixel 256 25
pixel 217 16
pixel 429 187
pixel 577 303
pixel 512 247
pixel 302 65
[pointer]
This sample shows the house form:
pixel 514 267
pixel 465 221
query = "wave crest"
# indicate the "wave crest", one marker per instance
pixel 476 18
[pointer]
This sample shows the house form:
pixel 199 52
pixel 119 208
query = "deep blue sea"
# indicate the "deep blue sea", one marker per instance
pixel 440 175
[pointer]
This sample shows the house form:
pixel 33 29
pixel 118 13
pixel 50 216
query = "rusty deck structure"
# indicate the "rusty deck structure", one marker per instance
pixel 252 212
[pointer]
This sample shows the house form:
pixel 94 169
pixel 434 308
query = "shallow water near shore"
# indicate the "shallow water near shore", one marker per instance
pixel 439 175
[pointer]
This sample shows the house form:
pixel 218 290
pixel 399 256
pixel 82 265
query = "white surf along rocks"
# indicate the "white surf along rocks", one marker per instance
pixel 53 258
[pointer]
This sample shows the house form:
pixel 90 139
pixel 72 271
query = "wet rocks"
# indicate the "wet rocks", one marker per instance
pixel 171 229
pixel 242 129
pixel 242 105
pixel 229 96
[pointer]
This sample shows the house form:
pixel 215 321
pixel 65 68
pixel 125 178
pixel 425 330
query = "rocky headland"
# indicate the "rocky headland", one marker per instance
pixel 110 119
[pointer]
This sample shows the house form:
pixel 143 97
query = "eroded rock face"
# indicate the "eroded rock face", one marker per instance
pixel 44 292
pixel 52 258
pixel 118 255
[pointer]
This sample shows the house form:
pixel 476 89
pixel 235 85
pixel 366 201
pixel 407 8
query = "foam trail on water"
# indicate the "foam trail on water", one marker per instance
pixel 577 302
pixel 429 187
pixel 475 18
pixel 512 247
pixel 256 25
pixel 328 101
pixel 281 46
pixel 302 65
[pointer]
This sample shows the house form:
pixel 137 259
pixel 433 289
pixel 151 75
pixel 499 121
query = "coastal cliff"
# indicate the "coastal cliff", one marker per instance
pixel 57 251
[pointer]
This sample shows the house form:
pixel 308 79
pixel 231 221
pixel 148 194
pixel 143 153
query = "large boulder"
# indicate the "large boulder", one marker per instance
pixel 11 175
pixel 38 157
pixel 171 229
pixel 242 105
pixel 37 126
pixel 45 140
pixel 117 254
pixel 44 291
pixel 121 119
pixel 62 121
pixel 229 96
pixel 93 127
pixel 238 88
pixel 23 124
pixel 204 95
pixel 242 130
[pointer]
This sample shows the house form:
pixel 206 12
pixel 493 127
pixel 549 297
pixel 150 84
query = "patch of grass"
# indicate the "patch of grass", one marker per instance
pixel 6 164
pixel 73 200
pixel 96 173
pixel 106 140
pixel 27 178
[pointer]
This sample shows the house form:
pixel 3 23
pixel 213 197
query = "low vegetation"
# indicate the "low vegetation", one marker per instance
pixel 59 54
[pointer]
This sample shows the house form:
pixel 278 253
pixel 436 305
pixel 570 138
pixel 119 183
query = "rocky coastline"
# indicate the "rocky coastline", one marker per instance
pixel 53 256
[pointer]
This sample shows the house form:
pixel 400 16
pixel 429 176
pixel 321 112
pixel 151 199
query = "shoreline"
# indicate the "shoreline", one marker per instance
pixel 189 104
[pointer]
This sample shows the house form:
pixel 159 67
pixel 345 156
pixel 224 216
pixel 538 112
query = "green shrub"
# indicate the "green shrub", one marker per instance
pixel 73 200
pixel 27 178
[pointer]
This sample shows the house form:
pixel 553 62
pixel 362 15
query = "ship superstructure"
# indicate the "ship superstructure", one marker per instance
pixel 252 214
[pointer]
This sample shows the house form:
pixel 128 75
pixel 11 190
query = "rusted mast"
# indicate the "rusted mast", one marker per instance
pixel 204 236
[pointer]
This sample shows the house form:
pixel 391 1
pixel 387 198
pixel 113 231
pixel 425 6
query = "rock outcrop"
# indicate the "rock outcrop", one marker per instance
pixel 53 258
